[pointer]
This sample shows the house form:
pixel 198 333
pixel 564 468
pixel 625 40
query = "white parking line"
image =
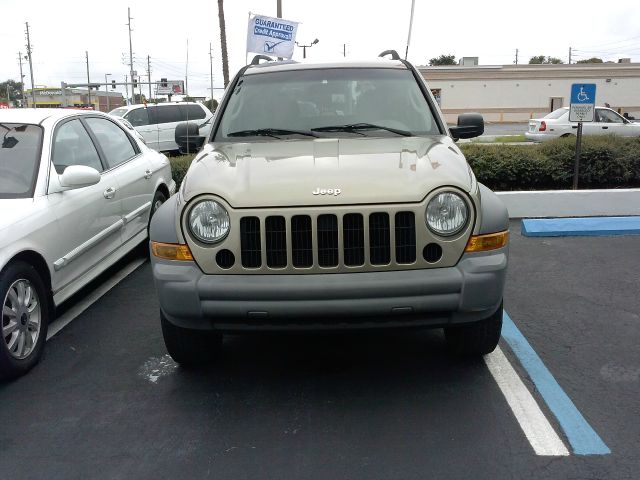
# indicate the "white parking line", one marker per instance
pixel 536 427
pixel 70 315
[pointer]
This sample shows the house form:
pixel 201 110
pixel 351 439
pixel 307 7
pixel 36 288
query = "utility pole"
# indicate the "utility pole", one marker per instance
pixel 33 93
pixel 133 92
pixel 211 72
pixel 279 15
pixel 186 73
pixel 24 100
pixel 149 73
pixel 516 62
pixel 344 50
pixel 126 88
pixel 569 55
pixel 89 81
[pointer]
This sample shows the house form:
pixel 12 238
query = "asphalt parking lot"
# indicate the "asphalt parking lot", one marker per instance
pixel 107 402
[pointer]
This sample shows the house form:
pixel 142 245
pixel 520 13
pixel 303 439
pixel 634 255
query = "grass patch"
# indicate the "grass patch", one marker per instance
pixel 511 138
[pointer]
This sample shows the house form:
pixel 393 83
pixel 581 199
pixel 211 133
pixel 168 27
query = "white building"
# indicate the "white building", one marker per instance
pixel 516 93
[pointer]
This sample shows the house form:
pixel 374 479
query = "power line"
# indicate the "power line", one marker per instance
pixel 612 43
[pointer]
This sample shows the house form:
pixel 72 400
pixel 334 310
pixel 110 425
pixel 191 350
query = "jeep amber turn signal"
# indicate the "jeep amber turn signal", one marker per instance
pixel 171 251
pixel 492 241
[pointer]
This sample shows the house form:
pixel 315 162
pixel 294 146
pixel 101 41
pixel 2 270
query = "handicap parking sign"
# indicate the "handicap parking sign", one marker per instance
pixel 583 100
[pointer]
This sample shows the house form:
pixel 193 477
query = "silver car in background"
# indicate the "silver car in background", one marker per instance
pixel 556 124
pixel 77 192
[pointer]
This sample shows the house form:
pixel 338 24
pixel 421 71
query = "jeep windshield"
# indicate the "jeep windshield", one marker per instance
pixel 20 146
pixel 337 102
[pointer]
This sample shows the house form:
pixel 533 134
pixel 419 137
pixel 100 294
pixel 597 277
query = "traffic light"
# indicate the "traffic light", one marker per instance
pixel 113 84
pixel 135 82
pixel 163 82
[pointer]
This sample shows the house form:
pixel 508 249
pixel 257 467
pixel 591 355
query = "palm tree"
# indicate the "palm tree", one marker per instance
pixel 223 43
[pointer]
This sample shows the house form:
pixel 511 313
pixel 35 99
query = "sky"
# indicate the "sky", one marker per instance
pixel 492 30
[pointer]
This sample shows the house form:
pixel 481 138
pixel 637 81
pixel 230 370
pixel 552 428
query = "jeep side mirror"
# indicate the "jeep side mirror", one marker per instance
pixel 470 125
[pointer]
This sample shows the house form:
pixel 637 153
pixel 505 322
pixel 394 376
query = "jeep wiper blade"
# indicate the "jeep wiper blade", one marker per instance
pixel 270 132
pixel 355 127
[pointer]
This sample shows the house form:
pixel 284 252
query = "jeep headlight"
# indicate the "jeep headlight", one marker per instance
pixel 209 221
pixel 446 214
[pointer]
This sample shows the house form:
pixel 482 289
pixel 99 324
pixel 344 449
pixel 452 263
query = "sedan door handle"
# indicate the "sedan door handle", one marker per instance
pixel 574 126
pixel 148 174
pixel 604 128
pixel 109 193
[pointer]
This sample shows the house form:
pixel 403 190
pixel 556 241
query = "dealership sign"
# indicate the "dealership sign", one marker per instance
pixel 271 36
pixel 170 87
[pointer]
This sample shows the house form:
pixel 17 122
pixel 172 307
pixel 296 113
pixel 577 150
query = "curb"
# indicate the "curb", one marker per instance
pixel 572 203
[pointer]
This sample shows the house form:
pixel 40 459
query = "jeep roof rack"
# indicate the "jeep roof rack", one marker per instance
pixel 257 58
pixel 393 53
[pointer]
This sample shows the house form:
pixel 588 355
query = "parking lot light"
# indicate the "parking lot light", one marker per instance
pixel 171 251
pixel 492 241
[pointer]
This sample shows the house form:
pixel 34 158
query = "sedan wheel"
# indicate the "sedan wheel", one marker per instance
pixel 24 319
pixel 21 318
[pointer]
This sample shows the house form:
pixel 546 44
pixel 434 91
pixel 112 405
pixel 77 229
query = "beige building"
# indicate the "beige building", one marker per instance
pixel 516 93
pixel 75 97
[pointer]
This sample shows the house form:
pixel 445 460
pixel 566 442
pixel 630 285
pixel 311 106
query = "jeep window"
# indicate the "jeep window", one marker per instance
pixel 306 100
pixel 19 159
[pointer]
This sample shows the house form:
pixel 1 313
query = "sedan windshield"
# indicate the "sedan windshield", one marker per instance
pixel 19 159
pixel 345 102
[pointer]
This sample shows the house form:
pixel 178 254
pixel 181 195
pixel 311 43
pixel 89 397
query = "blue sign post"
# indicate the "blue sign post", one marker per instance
pixel 583 101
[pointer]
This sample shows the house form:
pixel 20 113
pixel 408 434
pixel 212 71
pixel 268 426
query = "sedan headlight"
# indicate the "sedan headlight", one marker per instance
pixel 446 214
pixel 209 221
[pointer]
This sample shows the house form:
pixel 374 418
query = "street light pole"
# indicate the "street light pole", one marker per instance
pixel 106 90
pixel 304 47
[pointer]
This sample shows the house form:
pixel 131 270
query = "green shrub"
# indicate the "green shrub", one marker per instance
pixel 179 167
pixel 605 162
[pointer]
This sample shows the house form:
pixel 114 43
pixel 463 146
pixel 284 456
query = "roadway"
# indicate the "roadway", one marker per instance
pixel 107 402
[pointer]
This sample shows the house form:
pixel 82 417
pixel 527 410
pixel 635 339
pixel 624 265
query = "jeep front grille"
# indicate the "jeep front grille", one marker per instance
pixel 250 242
pixel 351 240
pixel 405 237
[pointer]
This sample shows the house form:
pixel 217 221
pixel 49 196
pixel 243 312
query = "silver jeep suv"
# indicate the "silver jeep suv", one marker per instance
pixel 330 196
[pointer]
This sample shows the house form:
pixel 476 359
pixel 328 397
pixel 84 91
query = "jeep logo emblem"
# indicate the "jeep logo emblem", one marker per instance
pixel 327 191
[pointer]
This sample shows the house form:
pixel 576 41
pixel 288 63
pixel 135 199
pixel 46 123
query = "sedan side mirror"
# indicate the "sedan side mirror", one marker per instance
pixel 77 176
pixel 470 125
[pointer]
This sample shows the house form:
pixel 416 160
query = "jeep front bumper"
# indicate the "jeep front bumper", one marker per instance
pixel 467 292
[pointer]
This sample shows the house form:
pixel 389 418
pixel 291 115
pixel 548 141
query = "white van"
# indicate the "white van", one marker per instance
pixel 157 123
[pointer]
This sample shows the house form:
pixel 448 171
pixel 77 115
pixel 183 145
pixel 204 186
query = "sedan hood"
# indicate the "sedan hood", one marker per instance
pixel 339 171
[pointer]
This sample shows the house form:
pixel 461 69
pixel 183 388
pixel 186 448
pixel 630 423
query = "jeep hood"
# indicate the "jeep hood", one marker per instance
pixel 365 170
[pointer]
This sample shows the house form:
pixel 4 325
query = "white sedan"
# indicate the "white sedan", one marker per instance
pixel 77 191
pixel 557 124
